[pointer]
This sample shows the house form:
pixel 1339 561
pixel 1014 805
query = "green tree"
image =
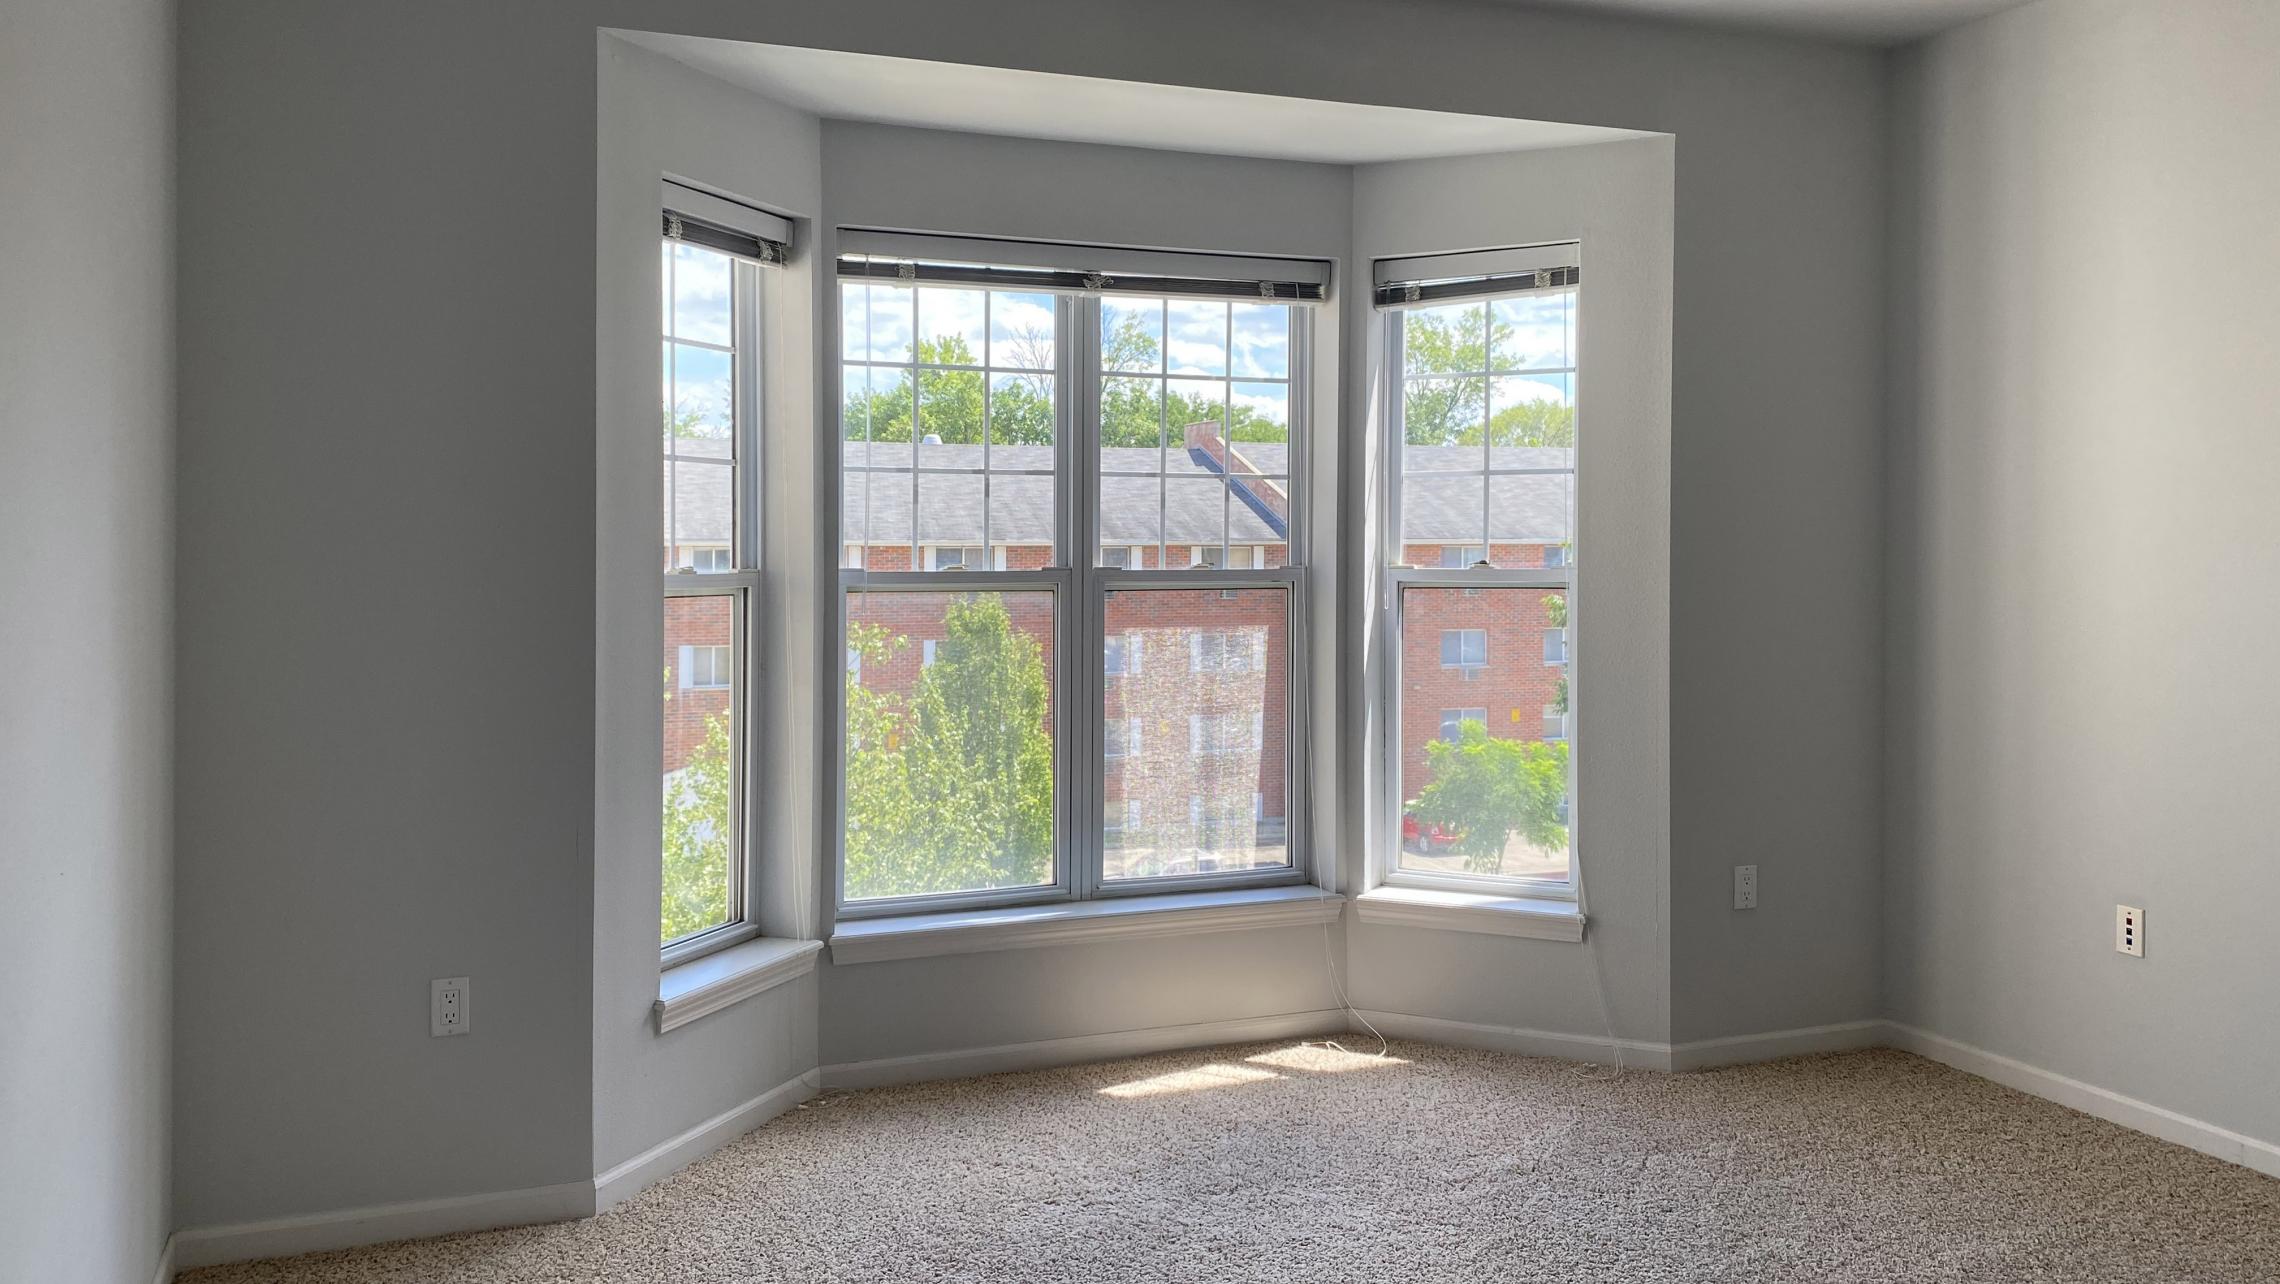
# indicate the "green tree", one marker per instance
pixel 1130 415
pixel 950 789
pixel 697 833
pixel 1484 790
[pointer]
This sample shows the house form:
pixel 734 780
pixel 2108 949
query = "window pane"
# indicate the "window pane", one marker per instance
pixel 949 514
pixel 700 393
pixel 699 768
pixel 1132 335
pixel 1131 424
pixel 1258 522
pixel 1129 521
pixel 1441 423
pixel 950 327
pixel 1021 414
pixel 875 322
pixel 1195 340
pixel 1260 339
pixel 1195 520
pixel 1483 758
pixel 1533 331
pixel 1531 519
pixel 1531 412
pixel 950 409
pixel 1440 511
pixel 700 288
pixel 1199 786
pixel 1451 339
pixel 1258 414
pixel 699 508
pixel 1021 331
pixel 949 765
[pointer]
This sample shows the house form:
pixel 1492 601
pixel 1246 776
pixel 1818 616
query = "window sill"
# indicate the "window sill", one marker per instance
pixel 1543 920
pixel 975 931
pixel 703 986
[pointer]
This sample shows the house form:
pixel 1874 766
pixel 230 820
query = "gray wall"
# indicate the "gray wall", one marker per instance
pixel 1616 199
pixel 86 677
pixel 658 117
pixel 388 531
pixel 2085 544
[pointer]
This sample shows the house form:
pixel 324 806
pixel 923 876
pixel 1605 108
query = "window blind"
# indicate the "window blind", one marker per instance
pixel 919 259
pixel 1440 278
pixel 701 218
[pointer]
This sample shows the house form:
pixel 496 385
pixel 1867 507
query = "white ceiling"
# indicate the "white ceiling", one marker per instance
pixel 1034 104
pixel 1878 22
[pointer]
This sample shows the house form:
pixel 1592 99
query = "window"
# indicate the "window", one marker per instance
pixel 1061 445
pixel 710 277
pixel 706 668
pixel 1453 721
pixel 1464 648
pixel 1480 439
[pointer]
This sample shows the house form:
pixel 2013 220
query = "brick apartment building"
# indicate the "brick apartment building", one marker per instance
pixel 1195 764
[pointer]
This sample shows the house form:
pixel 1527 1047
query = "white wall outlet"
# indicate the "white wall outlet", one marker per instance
pixel 2129 931
pixel 1745 887
pixel 447 1006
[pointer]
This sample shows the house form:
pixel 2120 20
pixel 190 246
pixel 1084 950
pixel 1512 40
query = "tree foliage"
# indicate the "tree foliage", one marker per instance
pixel 950 789
pixel 1484 790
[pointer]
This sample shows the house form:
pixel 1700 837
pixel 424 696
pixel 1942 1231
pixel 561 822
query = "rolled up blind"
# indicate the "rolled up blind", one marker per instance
pixel 701 218
pixel 1474 274
pixel 918 259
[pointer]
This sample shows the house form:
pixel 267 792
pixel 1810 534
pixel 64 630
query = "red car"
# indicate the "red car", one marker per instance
pixel 1427 838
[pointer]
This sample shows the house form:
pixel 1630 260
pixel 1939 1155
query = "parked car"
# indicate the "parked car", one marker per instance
pixel 1424 836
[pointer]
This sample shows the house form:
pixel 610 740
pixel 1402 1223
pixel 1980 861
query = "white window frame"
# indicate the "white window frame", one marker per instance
pixel 1081 589
pixel 741 586
pixel 1385 856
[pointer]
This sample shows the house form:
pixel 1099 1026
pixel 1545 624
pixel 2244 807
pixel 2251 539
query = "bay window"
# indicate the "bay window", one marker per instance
pixel 1480 434
pixel 1070 515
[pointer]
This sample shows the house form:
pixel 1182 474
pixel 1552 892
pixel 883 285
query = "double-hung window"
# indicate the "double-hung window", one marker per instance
pixel 1108 706
pixel 710 266
pixel 1480 445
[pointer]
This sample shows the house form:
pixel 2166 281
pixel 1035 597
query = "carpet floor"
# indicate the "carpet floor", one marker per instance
pixel 1285 1162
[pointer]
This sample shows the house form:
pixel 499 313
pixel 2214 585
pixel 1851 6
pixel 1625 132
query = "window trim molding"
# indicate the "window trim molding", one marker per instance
pixel 693 988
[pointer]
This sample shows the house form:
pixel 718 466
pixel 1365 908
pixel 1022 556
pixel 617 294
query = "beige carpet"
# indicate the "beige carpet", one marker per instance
pixel 1283 1162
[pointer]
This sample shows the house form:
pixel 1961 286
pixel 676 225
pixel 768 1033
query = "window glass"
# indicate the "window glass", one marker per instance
pixel 1488 429
pixel 946 425
pixel 1194 432
pixel 1205 759
pixel 700 829
pixel 948 764
pixel 1481 757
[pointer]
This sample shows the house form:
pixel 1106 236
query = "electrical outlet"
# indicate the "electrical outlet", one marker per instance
pixel 1745 887
pixel 2129 931
pixel 447 1006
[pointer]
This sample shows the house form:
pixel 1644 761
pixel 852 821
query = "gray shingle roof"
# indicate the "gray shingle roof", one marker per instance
pixel 1439 504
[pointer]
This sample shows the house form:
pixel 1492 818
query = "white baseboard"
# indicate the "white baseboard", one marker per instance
pixel 673 1154
pixel 1635 1054
pixel 1044 1053
pixel 1772 1045
pixel 164 1274
pixel 379 1224
pixel 2129 1112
